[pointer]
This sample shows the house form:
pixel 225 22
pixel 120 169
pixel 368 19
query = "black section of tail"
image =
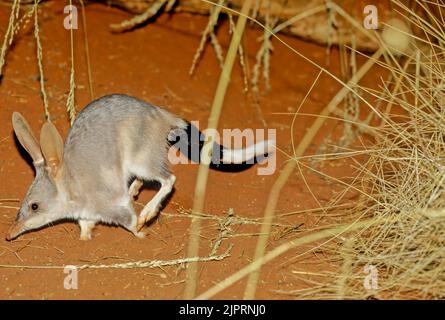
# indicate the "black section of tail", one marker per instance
pixel 190 142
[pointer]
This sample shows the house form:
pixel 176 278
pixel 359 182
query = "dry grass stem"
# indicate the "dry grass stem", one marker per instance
pixel 201 180
pixel 142 18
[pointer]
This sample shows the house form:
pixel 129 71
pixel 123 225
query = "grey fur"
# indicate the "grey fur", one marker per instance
pixel 113 139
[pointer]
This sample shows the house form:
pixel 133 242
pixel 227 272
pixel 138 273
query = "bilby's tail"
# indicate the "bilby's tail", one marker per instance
pixel 190 141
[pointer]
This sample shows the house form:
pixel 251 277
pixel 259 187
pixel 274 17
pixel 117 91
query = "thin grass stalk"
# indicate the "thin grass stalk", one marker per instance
pixel 128 265
pixel 87 50
pixel 70 103
pixel 201 180
pixel 9 34
pixel 141 18
pixel 39 60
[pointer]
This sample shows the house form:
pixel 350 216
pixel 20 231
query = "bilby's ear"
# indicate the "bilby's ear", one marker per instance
pixel 51 144
pixel 27 139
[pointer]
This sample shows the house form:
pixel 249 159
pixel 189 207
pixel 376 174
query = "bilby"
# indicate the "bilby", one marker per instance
pixel 115 144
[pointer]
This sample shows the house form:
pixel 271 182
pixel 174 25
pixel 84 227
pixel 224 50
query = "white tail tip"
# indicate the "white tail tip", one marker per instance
pixel 237 156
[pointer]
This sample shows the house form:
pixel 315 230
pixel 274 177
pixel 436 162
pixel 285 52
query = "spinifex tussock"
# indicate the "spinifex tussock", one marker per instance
pixel 404 179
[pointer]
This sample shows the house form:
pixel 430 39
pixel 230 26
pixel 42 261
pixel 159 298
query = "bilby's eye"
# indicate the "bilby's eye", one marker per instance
pixel 34 206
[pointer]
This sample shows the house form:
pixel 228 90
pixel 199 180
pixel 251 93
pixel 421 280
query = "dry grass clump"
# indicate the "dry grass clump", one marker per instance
pixel 404 179
pixel 402 254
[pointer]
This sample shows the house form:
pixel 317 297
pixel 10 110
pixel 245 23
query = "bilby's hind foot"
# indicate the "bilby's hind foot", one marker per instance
pixel 140 234
pixel 149 212
pixel 142 220
pixel 133 228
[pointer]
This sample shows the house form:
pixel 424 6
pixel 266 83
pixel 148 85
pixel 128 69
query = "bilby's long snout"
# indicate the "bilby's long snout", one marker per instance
pixel 15 230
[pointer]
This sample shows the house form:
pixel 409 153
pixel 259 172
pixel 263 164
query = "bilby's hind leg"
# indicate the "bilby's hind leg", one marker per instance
pixel 151 208
pixel 135 187
pixel 86 229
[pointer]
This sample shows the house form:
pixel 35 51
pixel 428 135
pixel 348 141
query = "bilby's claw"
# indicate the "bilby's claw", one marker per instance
pixel 140 225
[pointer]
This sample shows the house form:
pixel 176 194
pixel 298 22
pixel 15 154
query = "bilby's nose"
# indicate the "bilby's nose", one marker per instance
pixel 14 231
